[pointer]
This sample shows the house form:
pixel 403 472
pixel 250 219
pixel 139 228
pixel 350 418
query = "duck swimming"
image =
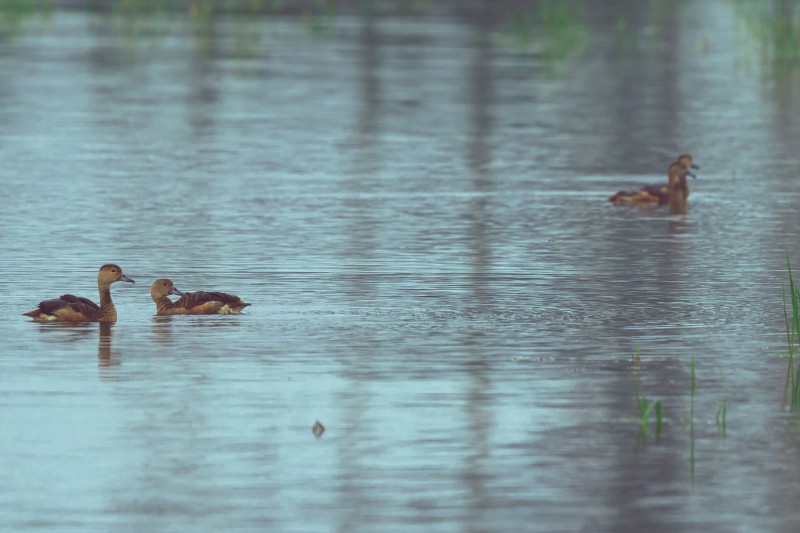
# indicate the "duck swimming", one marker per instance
pixel 69 308
pixel 674 192
pixel 193 303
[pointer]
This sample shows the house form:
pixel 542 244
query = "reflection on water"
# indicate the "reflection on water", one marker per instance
pixel 555 30
pixel 105 355
pixel 414 200
pixel 776 27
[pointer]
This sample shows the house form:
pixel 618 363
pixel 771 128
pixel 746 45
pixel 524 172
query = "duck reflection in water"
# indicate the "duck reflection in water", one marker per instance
pixel 166 327
pixel 60 332
pixel 105 353
pixel 162 330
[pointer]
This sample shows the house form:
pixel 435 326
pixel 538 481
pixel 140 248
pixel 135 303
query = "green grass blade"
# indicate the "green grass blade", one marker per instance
pixel 659 417
pixel 721 414
pixel 644 420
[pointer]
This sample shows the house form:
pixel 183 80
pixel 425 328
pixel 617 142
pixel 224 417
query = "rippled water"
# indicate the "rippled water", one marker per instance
pixel 415 206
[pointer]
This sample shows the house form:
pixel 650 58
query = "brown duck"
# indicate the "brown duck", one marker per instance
pixel 69 308
pixel 673 193
pixel 193 303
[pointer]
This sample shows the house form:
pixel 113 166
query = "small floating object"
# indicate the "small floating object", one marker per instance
pixel 69 308
pixel 317 429
pixel 193 303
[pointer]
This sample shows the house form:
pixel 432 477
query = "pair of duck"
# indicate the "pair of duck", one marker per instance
pixel 674 193
pixel 69 308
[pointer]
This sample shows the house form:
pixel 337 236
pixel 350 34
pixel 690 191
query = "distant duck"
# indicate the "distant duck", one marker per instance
pixel 69 308
pixel 193 303
pixel 674 193
pixel 678 185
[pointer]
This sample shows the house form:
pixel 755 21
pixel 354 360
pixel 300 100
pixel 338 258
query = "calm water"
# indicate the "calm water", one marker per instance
pixel 415 206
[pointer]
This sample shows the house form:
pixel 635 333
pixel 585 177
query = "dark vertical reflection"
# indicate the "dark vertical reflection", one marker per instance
pixel 783 80
pixel 635 252
pixel 356 500
pixel 369 85
pixel 678 225
pixel 647 249
pixel 105 353
pixel 202 85
pixel 478 154
pixel 162 334
pixel 627 480
pixel 637 107
pixel 478 402
pixel 632 111
pixel 782 29
pixel 480 98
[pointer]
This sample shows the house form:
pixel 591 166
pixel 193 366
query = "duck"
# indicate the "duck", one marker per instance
pixel 69 308
pixel 193 303
pixel 659 194
pixel 678 185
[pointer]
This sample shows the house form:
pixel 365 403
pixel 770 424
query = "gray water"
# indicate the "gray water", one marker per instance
pixel 415 205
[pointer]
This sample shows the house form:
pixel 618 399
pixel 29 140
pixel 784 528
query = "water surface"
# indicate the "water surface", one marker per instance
pixel 415 206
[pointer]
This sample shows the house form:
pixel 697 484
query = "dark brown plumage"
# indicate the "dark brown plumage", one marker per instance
pixel 70 308
pixel 67 303
pixel 666 194
pixel 193 303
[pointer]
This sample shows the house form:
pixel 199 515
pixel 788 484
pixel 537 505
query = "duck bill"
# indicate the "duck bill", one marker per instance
pixel 176 292
pixel 123 277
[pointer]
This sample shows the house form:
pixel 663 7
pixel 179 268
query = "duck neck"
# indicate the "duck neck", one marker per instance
pixel 163 304
pixel 108 313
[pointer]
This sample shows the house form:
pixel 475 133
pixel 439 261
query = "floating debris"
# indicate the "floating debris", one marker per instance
pixel 318 429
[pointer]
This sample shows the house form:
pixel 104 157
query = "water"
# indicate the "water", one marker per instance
pixel 415 206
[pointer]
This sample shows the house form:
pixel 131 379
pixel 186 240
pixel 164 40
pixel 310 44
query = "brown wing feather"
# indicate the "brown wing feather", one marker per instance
pixel 659 191
pixel 646 194
pixel 71 308
pixel 193 299
pixel 77 299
